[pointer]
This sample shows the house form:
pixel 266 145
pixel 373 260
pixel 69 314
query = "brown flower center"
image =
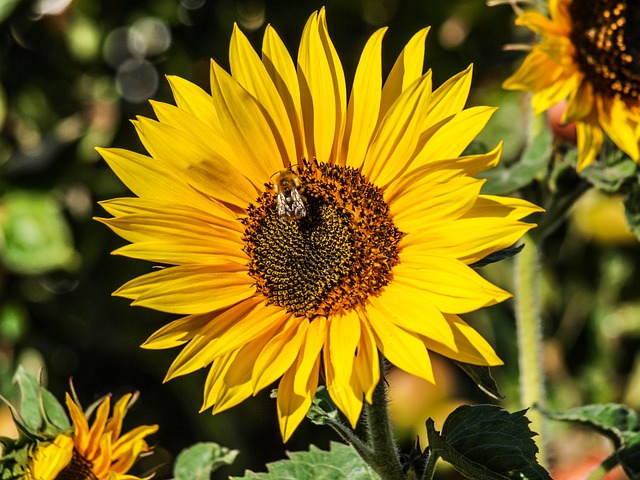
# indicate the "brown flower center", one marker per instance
pixel 79 468
pixel 336 254
pixel 606 34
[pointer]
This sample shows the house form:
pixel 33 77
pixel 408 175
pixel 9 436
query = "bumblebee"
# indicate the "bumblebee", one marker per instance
pixel 290 204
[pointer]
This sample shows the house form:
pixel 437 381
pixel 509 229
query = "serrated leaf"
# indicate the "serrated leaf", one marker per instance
pixel 486 442
pixel 483 379
pixel 341 462
pixel 617 422
pixel 201 459
pixel 503 180
pixel 610 419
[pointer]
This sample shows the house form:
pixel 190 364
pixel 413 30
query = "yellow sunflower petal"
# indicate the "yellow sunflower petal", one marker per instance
pixel 97 429
pixel 339 356
pixel 590 137
pixel 50 458
pixel 81 430
pixel 364 103
pixel 539 23
pixel 197 165
pixel 616 122
pixel 148 178
pixel 547 97
pixel 450 139
pixel 470 346
pixel 322 89
pixel 189 289
pixel 177 332
pixel 449 284
pixel 298 385
pixel 366 365
pixel 395 140
pixel 449 98
pixel 537 71
pixel 580 103
pixel 408 68
pixel 245 126
pixel 249 71
pixel 194 100
pixel 282 71
pixel 402 348
pixel 279 353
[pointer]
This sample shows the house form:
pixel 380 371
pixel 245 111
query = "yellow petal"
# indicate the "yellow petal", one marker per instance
pixel 322 89
pixel 339 356
pixel 366 366
pixel 245 126
pixel 411 308
pixel 364 103
pixel 450 285
pixel 501 207
pixel 80 423
pixel 404 349
pixel 540 24
pixel 282 71
pixel 177 332
pixel 197 165
pixel 298 385
pixel 470 346
pixel 248 70
pixel 559 90
pixel 615 119
pixel 194 100
pixel 407 68
pixel 279 354
pixel 450 140
pixel 148 178
pixel 227 332
pixel 396 138
pixel 590 138
pixel 97 429
pixel 449 98
pixel 189 289
pixel 580 103
pixel 538 71
pixel 51 458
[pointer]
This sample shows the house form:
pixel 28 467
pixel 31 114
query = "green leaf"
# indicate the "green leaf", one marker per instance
pixel 201 459
pixel 486 442
pixel 503 180
pixel 613 171
pixel 482 377
pixel 617 422
pixel 341 462
pixel 29 399
pixel 56 414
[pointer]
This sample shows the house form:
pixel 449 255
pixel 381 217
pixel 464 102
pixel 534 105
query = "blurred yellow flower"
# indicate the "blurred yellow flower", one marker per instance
pixel 96 452
pixel 590 55
pixel 305 232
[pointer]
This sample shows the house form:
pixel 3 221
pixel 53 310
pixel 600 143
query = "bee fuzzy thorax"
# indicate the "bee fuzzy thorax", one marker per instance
pixel 290 204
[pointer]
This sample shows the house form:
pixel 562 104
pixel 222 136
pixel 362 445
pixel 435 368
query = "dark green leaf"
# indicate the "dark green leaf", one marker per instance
pixel 341 462
pixel 486 442
pixel 609 419
pixel 482 377
pixel 498 256
pixel 617 422
pixel 200 460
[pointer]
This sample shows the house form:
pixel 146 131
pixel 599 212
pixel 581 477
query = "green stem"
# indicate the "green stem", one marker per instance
pixel 608 464
pixel 380 435
pixel 529 325
pixel 430 468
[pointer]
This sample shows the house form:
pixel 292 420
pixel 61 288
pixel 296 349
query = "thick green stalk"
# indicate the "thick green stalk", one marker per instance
pixel 380 435
pixel 529 325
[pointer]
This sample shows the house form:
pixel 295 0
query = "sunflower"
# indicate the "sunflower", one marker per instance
pixel 302 233
pixel 96 452
pixel 589 55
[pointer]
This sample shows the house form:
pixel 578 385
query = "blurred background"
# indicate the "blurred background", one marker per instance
pixel 72 75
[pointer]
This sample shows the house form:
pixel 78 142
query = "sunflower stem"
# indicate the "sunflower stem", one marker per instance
pixel 367 454
pixel 529 326
pixel 386 461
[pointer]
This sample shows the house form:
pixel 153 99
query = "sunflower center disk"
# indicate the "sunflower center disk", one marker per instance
pixel 335 256
pixel 606 34
pixel 78 469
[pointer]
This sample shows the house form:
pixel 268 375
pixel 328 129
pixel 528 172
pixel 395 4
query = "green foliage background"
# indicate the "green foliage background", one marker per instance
pixel 60 97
